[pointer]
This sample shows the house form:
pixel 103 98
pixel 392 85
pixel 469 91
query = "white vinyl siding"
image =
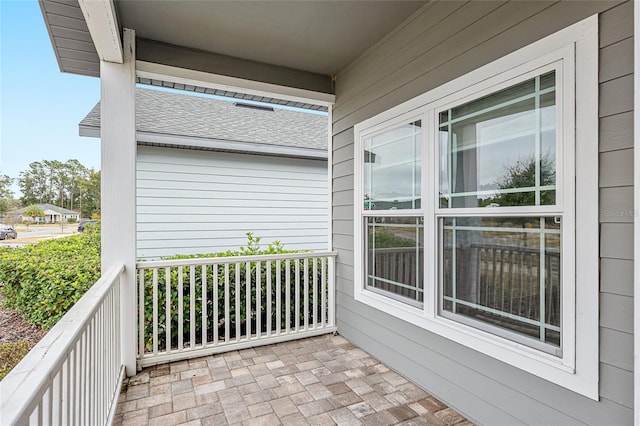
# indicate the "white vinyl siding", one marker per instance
pixel 191 202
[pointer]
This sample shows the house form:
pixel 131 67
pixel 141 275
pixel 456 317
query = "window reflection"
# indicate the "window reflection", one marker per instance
pixel 393 169
pixel 395 257
pixel 500 150
pixel 504 272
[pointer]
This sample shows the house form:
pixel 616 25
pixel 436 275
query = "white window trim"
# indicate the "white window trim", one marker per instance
pixel 577 370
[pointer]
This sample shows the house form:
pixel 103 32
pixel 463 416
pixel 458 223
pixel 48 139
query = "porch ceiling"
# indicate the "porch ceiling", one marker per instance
pixel 316 36
pixel 296 43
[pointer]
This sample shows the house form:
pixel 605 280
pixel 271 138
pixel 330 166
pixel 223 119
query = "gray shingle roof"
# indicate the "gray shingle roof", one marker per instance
pixel 170 114
pixel 47 207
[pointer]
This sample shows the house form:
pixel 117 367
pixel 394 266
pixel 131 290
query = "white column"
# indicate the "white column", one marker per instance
pixel 118 206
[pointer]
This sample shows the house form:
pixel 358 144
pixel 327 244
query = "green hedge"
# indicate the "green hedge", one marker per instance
pixel 42 281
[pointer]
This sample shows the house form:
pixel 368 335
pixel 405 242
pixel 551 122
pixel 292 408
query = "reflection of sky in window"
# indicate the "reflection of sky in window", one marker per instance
pixel 499 143
pixel 505 140
pixel 394 170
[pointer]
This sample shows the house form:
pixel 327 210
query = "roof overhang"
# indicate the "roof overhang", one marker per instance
pixel 220 145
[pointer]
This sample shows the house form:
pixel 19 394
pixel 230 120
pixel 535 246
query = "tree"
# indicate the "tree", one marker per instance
pixel 7 203
pixel 33 211
pixel 70 185
pixel 35 184
pixel 522 174
pixel 90 194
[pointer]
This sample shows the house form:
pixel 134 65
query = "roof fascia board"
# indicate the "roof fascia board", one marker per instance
pixel 89 131
pixel 155 71
pixel 216 144
pixel 100 16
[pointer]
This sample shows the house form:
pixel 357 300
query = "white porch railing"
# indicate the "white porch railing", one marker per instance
pixel 197 307
pixel 73 375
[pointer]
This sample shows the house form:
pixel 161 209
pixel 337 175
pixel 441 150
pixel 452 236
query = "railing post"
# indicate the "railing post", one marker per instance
pixel 118 206
pixel 331 274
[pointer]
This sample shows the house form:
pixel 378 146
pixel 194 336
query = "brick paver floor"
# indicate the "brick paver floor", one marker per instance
pixel 323 380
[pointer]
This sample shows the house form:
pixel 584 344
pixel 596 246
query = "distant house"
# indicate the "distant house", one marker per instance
pixel 52 214
pixel 208 171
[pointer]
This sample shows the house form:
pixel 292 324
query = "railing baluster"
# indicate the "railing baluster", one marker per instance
pixel 203 273
pixel 306 293
pixel 323 271
pixel 216 321
pixel 56 415
pixel 287 297
pixel 85 373
pixel 314 308
pixel 227 333
pixel 48 418
pixel 100 369
pixel 238 294
pixel 155 311
pixel 167 308
pixel 247 299
pixel 258 299
pixel 192 306
pixel 141 313
pixel 297 311
pixel 75 413
pixel 268 307
pixel 67 391
pixel 180 310
pixel 93 372
pixel 40 410
pixel 278 297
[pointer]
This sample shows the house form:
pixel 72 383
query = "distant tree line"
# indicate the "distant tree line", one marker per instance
pixel 70 185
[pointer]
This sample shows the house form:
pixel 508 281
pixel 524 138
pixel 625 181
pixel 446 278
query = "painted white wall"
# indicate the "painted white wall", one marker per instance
pixel 192 202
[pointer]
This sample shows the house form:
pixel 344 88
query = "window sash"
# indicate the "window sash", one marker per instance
pixel 512 282
pixel 475 152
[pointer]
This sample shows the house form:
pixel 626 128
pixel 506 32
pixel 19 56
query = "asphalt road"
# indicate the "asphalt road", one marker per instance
pixel 37 233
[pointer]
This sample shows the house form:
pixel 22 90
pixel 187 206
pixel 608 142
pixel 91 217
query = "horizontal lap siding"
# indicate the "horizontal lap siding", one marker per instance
pixel 191 202
pixel 443 41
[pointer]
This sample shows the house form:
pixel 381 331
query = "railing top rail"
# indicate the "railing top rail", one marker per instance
pixel 231 259
pixel 27 381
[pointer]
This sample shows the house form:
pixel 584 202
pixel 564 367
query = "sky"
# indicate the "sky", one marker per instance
pixel 40 107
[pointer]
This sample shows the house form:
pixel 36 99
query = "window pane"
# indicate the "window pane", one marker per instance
pixel 503 272
pixel 392 169
pixel 395 257
pixel 499 150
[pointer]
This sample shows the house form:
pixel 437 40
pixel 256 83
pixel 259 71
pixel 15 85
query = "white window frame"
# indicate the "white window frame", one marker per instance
pixel 573 52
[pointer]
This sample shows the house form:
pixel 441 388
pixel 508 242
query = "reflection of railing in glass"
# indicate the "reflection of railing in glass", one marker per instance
pixel 500 286
pixel 394 271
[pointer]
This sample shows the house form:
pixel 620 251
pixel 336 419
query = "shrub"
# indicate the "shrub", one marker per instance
pixel 42 281
pixel 71 220
pixel 11 354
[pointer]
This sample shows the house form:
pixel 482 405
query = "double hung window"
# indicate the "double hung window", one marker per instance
pixel 466 209
pixel 497 154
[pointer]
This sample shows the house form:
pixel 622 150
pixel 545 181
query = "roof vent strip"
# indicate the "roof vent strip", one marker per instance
pixel 253 106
